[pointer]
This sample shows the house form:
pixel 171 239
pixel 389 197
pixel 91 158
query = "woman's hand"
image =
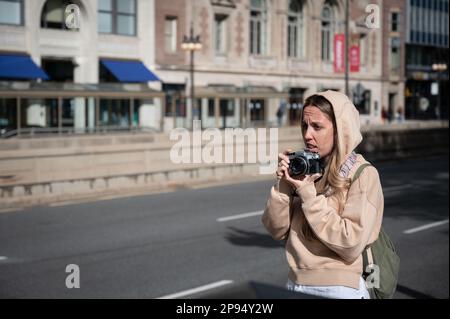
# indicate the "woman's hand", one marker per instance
pixel 295 181
pixel 283 162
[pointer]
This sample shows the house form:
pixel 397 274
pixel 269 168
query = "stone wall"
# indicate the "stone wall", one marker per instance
pixel 43 170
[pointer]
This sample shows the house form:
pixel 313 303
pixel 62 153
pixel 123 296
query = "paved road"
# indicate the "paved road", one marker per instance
pixel 163 244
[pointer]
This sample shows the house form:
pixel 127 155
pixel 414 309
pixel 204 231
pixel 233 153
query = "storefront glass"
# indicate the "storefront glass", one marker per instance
pixel 8 115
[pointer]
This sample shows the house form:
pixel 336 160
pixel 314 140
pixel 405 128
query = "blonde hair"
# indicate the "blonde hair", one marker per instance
pixel 331 184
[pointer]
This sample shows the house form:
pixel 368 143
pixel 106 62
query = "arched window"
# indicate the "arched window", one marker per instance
pixel 258 27
pixel 328 25
pixel 53 14
pixel 295 31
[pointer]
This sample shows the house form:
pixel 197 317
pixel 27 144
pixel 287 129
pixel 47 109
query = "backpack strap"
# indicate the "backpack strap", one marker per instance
pixel 367 252
pixel 359 171
pixel 367 260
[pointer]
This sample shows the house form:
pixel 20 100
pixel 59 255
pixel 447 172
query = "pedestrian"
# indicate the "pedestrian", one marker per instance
pixel 400 116
pixel 280 113
pixel 326 220
pixel 384 115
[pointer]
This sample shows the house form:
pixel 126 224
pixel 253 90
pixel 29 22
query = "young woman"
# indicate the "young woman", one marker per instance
pixel 326 220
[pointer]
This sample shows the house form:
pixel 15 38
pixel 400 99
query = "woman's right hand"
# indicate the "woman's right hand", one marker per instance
pixel 283 163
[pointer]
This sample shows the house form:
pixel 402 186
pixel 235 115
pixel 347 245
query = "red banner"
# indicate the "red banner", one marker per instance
pixel 339 51
pixel 354 58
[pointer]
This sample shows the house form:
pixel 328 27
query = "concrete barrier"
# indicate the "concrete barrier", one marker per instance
pixel 46 170
pixel 386 145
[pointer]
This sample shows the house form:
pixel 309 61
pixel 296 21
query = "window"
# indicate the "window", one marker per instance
pixel 295 29
pixel 170 34
pixel 258 25
pixel 105 24
pixel 11 12
pixel 8 115
pixel 53 14
pixel 59 70
pixel 395 55
pixel 395 21
pixel 175 105
pixel 220 45
pixel 226 107
pixel 39 113
pixel 327 32
pixel 295 105
pixel 413 23
pixel 117 17
pixel 436 14
pixel 211 108
pixel 114 113
pixel 445 25
pixel 257 108
pixel 363 49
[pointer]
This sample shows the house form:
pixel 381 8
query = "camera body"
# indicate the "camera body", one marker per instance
pixel 304 163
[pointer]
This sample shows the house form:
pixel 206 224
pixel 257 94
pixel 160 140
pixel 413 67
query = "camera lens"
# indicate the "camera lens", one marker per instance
pixel 298 166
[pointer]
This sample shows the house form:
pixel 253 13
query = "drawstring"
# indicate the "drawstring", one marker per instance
pixel 344 170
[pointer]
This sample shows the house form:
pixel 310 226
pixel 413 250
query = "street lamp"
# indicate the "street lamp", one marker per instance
pixel 192 43
pixel 347 50
pixel 439 67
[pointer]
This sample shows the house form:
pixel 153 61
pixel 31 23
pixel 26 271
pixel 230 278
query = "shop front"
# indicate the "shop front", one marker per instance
pixel 231 106
pixel 32 109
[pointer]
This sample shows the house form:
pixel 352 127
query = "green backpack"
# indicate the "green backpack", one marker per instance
pixel 380 262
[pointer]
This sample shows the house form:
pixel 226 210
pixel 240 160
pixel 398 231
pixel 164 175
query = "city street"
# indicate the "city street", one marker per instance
pixel 165 245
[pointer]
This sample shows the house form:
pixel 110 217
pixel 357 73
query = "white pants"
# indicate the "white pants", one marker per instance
pixel 333 292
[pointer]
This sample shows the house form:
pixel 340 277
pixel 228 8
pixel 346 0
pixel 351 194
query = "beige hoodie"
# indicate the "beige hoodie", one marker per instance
pixel 334 257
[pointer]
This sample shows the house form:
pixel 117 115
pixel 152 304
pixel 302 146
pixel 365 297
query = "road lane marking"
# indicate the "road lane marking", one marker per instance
pixel 246 215
pixel 196 290
pixel 427 226
pixel 2 258
pixel 396 188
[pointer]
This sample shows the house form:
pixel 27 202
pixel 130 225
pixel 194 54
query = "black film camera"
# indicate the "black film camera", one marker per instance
pixel 304 163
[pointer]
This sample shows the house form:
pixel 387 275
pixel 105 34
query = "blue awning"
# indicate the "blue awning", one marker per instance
pixel 20 67
pixel 129 71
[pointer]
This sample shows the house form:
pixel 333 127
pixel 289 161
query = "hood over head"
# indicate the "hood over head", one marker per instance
pixel 347 122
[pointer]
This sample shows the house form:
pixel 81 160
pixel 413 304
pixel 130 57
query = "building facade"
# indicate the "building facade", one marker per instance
pixel 259 54
pixel 426 92
pixel 96 57
pixel 394 35
pixel 120 64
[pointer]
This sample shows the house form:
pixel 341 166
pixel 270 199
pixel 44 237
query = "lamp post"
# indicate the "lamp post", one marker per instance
pixel 440 67
pixel 191 44
pixel 347 40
